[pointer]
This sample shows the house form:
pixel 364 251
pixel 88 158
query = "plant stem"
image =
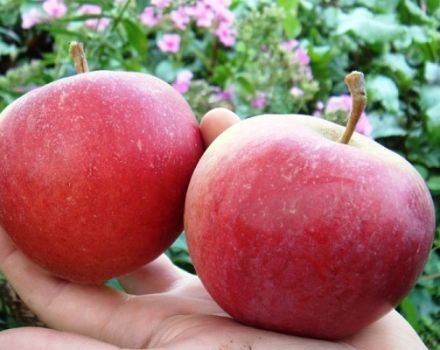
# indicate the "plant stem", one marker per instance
pixel 76 51
pixel 356 86
pixel 104 38
pixel 432 276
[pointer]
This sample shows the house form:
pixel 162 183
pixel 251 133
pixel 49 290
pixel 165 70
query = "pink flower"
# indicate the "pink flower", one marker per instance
pixel 225 15
pixel 162 4
pixel 99 24
pixel 203 15
pixel 295 91
pixel 31 18
pixel 223 3
pixel 307 72
pixel 289 45
pixel 102 24
pixel 180 18
pixel 226 34
pixel 89 9
pixel 343 103
pixel 220 10
pixel 55 8
pixel 338 103
pixel 319 105
pixel 302 56
pixel 183 81
pixel 226 94
pixel 148 17
pixel 191 10
pixel 318 109
pixel 364 126
pixel 169 43
pixel 260 101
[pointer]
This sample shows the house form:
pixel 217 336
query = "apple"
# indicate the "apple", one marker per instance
pixel 292 230
pixel 93 172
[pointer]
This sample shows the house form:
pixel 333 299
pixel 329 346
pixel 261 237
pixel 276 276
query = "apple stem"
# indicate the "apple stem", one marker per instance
pixel 76 51
pixel 356 86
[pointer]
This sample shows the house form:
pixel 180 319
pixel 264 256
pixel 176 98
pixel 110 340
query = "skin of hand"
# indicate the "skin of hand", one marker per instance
pixel 162 308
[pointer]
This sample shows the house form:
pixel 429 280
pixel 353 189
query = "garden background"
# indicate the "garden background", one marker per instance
pixel 256 56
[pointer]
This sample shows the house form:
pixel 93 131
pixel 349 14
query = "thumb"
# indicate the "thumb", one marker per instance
pixel 215 122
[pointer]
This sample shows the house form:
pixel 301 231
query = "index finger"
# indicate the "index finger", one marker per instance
pixel 58 303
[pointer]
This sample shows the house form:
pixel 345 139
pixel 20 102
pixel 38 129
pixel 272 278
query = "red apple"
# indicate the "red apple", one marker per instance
pixel 93 172
pixel 292 231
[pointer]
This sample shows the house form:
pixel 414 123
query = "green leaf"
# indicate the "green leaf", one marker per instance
pixel 166 71
pixel 417 12
pixel 8 50
pixel 432 72
pixel 136 36
pixel 289 5
pixel 9 34
pixel 417 34
pixel 429 96
pixel 240 47
pixel 114 283
pixel 369 27
pixel 409 310
pixel 330 16
pixel 292 26
pixel 320 54
pixel 421 150
pixel 433 5
pixel 422 170
pixel 141 4
pixel 380 5
pixel 434 183
pixel 383 89
pixel 221 74
pixel 246 84
pixel 70 34
pixel 397 63
pixel 433 123
pixel 386 125
pixel 291 22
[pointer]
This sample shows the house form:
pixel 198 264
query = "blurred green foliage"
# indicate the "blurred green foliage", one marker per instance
pixel 396 43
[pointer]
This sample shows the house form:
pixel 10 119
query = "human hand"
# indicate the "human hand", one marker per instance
pixel 162 307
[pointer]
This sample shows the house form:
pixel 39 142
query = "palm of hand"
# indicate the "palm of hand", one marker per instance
pixel 163 308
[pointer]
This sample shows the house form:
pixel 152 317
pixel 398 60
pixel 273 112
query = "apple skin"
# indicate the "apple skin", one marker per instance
pixel 93 172
pixel 291 231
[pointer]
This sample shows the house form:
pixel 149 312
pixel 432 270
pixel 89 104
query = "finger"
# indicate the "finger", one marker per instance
pixel 59 304
pixel 215 122
pixel 43 339
pixel 155 277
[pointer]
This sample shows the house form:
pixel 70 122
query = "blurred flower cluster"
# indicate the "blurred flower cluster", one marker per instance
pixel 208 14
pixel 53 9
pixel 214 52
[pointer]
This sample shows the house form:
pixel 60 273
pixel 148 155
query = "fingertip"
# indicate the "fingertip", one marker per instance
pixel 216 121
